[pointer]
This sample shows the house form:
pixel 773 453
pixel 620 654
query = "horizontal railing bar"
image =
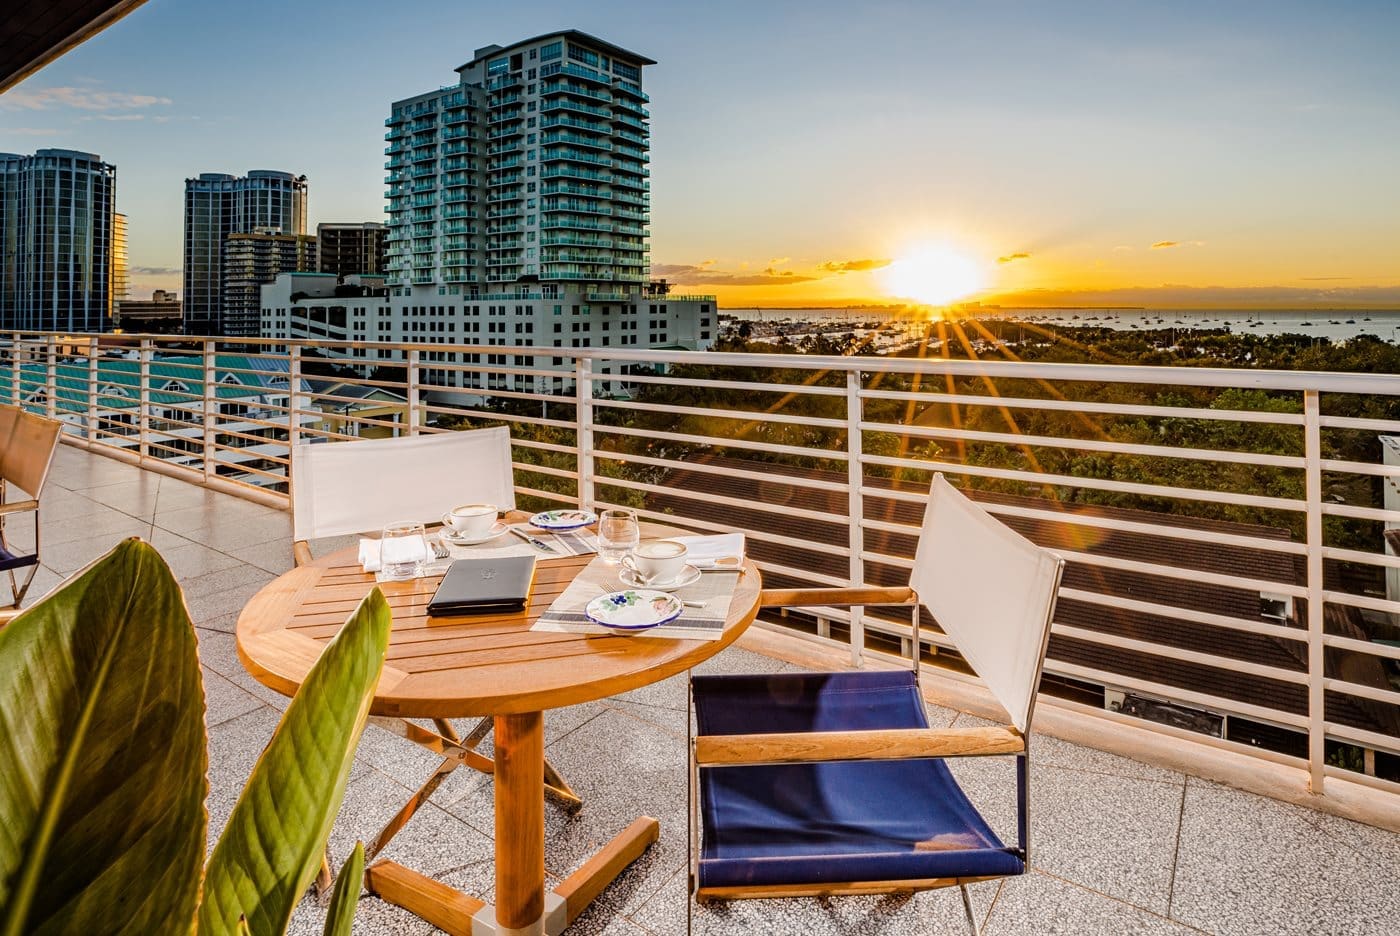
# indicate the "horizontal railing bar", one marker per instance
pixel 722 528
pixel 547 495
pixel 707 384
pixel 1087 445
pixel 1382 426
pixel 710 497
pixel 1072 481
pixel 726 470
pixel 737 415
pixel 1117 602
pixel 1359 513
pixel 1361 468
pixel 1361 601
pixel 1086 406
pixel 1183 574
pixel 1179 653
pixel 1368 647
pixel 1367 558
pixel 1374 693
pixel 545 470
pixel 722 442
pixel 1177 694
pixel 1099 522
pixel 1383 742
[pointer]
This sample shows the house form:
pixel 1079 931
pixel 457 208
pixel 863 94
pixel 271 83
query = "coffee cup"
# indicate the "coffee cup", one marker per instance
pixel 658 561
pixel 471 521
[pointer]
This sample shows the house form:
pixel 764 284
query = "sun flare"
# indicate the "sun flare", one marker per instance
pixel 933 275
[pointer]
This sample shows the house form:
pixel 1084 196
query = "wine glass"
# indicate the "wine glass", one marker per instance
pixel 618 534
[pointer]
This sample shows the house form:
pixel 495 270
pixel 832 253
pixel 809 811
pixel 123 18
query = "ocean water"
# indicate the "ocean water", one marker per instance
pixel 1332 324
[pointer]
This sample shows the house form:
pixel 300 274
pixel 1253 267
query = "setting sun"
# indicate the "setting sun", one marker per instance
pixel 933 275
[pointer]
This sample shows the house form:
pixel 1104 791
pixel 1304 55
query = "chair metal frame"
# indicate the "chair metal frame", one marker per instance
pixel 891 744
pixel 27 446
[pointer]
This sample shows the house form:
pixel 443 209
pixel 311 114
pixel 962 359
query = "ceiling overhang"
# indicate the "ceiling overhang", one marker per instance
pixel 36 33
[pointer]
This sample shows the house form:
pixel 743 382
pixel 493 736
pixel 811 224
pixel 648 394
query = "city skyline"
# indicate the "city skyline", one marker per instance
pixel 1091 154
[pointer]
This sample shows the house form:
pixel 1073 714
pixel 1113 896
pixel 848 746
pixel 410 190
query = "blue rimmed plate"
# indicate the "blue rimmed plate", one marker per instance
pixel 634 609
pixel 563 519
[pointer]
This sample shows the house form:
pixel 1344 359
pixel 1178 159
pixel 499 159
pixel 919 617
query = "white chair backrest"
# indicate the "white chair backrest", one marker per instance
pixel 359 487
pixel 991 590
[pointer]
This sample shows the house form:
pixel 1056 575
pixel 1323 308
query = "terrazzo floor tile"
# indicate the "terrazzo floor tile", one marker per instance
pixel 1037 904
pixel 1252 865
pixel 234 747
pixel 224 701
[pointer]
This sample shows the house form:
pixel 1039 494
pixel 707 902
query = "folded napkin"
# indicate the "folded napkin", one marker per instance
pixel 566 615
pixel 702 551
pixel 401 550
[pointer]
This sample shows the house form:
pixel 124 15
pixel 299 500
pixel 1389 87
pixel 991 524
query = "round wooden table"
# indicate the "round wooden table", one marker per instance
pixel 442 668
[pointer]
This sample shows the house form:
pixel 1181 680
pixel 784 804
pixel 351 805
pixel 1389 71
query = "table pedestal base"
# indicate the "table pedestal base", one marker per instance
pixel 461 914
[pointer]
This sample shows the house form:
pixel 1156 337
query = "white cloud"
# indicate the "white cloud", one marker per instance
pixel 78 98
pixel 31 131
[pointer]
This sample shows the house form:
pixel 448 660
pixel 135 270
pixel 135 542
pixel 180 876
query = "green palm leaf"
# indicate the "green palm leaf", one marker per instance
pixel 102 757
pixel 341 914
pixel 272 846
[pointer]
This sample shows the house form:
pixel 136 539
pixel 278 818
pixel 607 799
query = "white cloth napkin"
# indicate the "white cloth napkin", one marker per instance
pixel 402 550
pixel 702 551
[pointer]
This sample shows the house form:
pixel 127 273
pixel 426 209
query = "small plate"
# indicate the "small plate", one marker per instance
pixel 497 529
pixel 689 576
pixel 635 609
pixel 563 519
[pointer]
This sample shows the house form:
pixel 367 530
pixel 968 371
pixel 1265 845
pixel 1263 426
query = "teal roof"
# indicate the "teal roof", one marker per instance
pixel 173 382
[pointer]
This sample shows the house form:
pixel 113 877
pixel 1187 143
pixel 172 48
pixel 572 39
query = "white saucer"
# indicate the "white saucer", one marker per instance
pixel 497 529
pixel 689 576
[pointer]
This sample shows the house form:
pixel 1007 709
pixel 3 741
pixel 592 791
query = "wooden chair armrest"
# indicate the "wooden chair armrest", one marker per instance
pixel 7 615
pixel 18 507
pixel 886 744
pixel 301 552
pixel 834 597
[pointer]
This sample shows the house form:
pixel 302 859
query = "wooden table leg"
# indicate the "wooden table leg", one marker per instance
pixel 520 823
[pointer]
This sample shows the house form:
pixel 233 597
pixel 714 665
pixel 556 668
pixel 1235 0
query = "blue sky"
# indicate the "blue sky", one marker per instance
pixel 1253 143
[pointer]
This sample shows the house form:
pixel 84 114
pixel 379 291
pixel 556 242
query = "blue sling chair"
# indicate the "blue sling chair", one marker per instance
pixel 823 784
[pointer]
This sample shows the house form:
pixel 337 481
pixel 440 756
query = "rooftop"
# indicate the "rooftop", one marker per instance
pixel 1118 845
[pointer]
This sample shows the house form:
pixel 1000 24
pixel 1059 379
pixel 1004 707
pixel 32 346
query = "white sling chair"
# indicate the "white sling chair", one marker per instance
pixel 360 487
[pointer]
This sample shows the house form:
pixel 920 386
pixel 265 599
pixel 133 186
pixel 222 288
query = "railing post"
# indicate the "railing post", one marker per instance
pixel 293 418
pixel 583 432
pixel 210 403
pixel 50 376
pixel 856 509
pixel 411 389
pixel 16 366
pixel 143 415
pixel 92 391
pixel 1317 697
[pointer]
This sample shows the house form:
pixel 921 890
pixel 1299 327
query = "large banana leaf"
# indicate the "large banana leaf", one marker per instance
pixel 272 846
pixel 102 755
pixel 341 915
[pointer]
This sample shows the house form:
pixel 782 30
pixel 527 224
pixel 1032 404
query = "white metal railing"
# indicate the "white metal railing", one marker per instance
pixel 1228 576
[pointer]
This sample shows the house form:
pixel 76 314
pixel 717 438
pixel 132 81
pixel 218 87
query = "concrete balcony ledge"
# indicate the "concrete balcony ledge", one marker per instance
pixel 1119 844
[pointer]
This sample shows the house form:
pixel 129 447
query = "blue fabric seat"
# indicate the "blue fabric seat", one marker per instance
pixel 820 823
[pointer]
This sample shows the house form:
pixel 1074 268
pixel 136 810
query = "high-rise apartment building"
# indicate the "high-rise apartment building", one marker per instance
pixel 120 281
pixel 352 249
pixel 518 213
pixel 217 205
pixel 532 169
pixel 56 219
pixel 253 260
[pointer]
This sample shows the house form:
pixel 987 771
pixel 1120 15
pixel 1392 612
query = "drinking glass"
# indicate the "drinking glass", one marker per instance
pixel 618 535
pixel 403 548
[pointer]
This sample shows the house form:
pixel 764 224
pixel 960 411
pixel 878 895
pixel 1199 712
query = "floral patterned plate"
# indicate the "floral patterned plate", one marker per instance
pixel 563 519
pixel 635 609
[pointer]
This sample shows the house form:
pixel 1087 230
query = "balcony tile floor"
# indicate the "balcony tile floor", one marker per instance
pixel 1119 846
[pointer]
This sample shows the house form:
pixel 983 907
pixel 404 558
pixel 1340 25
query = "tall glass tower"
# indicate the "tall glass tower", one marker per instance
pixel 56 257
pixel 217 205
